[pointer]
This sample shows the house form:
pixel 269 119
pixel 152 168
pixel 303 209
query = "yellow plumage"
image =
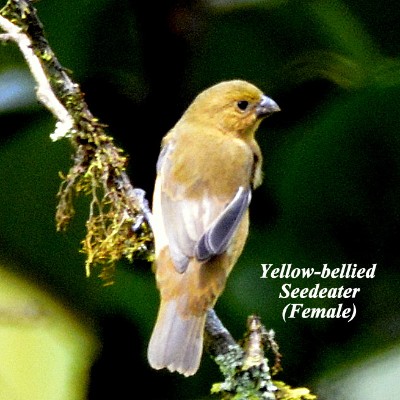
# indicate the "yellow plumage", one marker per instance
pixel 207 167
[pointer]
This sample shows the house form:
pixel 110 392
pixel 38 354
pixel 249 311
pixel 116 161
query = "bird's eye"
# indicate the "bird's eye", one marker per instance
pixel 242 105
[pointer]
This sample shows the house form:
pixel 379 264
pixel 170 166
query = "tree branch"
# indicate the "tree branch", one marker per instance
pixel 217 339
pixel 44 91
pixel 119 222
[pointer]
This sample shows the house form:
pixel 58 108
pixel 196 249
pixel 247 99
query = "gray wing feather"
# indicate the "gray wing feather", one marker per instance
pixel 181 261
pixel 216 239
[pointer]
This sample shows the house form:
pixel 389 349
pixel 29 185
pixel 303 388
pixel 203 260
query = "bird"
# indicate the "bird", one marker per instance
pixel 208 165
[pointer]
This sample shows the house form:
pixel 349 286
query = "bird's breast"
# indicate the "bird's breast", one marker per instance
pixel 216 163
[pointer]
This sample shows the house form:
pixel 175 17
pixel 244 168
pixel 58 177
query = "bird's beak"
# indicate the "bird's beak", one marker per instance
pixel 266 107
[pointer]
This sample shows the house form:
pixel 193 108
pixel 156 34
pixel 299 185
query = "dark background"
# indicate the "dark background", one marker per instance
pixel 332 167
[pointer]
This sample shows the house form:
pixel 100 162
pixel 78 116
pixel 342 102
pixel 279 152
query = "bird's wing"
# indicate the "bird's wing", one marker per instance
pixel 216 238
pixel 200 227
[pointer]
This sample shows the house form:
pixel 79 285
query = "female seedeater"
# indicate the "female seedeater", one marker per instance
pixel 208 165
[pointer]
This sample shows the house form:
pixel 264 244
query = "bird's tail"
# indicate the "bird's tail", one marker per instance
pixel 177 340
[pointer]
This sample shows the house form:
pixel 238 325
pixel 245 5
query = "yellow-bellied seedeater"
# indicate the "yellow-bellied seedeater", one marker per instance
pixel 208 165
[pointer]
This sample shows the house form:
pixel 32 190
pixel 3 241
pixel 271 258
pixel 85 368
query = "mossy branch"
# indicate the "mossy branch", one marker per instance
pixel 119 221
pixel 244 365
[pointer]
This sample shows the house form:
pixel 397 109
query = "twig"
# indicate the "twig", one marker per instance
pixel 119 224
pixel 44 91
pixel 217 340
pixel 245 368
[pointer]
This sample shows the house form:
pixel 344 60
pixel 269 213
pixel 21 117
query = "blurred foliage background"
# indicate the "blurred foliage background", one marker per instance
pixel 330 195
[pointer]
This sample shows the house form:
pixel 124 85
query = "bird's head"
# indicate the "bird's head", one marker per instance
pixel 237 107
